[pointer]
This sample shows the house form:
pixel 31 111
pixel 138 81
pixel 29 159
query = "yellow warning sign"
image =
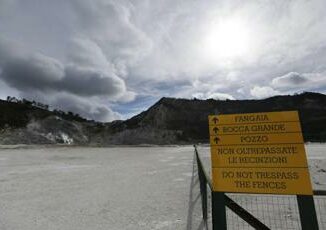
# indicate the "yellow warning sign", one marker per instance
pixel 259 153
pixel 265 156
pixel 255 139
pixel 247 118
pixel 262 180
pixel 274 127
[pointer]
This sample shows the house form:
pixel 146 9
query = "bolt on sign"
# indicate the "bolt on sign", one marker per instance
pixel 259 153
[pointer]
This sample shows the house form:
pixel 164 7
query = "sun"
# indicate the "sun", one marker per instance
pixel 227 39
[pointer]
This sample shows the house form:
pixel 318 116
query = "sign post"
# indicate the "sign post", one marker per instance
pixel 260 153
pixel 218 211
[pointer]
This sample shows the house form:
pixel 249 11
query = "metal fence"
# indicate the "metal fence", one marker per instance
pixel 256 211
pixel 275 211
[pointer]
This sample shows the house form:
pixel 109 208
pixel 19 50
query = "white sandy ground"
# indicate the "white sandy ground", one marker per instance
pixel 71 188
pixel 121 188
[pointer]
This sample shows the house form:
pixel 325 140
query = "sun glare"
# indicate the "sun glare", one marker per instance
pixel 227 39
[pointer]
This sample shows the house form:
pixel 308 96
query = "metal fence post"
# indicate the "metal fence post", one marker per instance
pixel 218 211
pixel 203 189
pixel 204 197
pixel 308 216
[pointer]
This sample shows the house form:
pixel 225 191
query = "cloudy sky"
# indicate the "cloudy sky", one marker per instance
pixel 111 59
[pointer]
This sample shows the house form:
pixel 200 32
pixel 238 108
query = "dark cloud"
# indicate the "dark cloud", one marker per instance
pixel 289 80
pixel 37 72
pixel 91 82
pixel 104 51
pixel 89 74
pixel 69 87
pixel 46 74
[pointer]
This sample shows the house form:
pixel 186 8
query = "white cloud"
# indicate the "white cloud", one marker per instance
pixel 90 108
pixel 291 83
pixel 112 50
pixel 263 92
pixel 86 53
pixel 110 25
pixel 93 110
pixel 221 96
pixel 216 96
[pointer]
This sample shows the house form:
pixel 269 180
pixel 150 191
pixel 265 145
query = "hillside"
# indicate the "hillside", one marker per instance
pixel 23 123
pixel 169 121
pixel 185 121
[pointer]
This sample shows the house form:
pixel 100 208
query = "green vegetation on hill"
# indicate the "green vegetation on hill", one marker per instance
pixel 169 121
pixel 17 113
pixel 189 117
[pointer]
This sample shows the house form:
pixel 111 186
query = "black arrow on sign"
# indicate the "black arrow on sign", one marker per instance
pixel 215 130
pixel 215 119
pixel 216 139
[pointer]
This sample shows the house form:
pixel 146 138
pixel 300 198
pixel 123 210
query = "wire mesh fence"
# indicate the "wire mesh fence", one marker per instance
pixel 320 204
pixel 276 211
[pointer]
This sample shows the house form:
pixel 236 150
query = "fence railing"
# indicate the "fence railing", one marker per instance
pixel 251 210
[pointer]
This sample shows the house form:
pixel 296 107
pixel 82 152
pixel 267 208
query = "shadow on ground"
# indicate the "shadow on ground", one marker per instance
pixel 194 203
